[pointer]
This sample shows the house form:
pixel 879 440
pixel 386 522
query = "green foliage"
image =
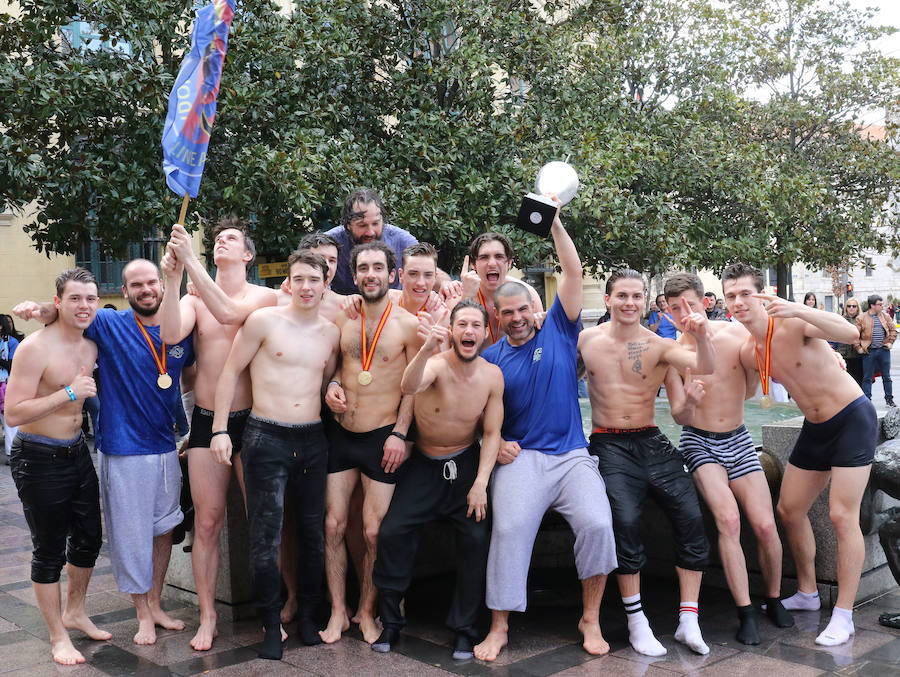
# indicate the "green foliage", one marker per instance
pixel 449 108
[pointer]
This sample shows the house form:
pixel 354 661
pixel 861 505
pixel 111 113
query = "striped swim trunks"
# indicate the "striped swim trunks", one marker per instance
pixel 733 450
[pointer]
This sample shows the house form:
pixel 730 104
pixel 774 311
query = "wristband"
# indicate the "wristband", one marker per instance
pixel 218 432
pixel 70 393
pixel 337 383
pixel 396 434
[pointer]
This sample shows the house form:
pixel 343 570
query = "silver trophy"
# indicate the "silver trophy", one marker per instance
pixel 537 211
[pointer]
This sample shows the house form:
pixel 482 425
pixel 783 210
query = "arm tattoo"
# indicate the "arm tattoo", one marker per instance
pixel 635 348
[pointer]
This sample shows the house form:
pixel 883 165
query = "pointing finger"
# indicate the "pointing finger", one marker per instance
pixel 465 266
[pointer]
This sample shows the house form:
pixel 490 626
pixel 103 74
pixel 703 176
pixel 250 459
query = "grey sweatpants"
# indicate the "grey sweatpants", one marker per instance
pixel 521 492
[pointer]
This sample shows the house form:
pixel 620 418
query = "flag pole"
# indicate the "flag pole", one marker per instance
pixel 184 206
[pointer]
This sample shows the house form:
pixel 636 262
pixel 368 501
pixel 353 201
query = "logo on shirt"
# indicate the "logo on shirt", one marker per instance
pixel 536 355
pixel 177 352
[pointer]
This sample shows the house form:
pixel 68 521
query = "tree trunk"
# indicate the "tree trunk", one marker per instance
pixel 781 276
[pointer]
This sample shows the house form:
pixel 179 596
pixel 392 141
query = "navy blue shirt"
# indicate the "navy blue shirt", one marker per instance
pixel 136 416
pixel 394 237
pixel 540 396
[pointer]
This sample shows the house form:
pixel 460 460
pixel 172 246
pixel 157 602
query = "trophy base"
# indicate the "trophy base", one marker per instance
pixel 536 214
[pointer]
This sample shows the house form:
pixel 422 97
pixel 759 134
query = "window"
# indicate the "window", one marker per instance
pixel 108 269
pixel 869 267
pixel 82 36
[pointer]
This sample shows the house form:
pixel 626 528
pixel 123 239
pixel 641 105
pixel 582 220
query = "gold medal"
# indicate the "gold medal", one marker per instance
pixel 766 402
pixel 164 381
pixel 368 353
pixel 764 371
pixel 364 378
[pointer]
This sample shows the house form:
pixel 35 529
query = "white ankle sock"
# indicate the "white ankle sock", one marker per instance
pixel 839 628
pixel 639 633
pixel 688 631
pixel 802 601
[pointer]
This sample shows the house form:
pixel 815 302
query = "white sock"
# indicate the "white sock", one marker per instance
pixel 639 633
pixel 688 631
pixel 839 628
pixel 802 601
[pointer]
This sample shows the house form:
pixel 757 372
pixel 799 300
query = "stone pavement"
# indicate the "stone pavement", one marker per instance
pixel 543 641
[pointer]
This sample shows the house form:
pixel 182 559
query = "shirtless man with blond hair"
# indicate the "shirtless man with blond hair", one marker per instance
pixel 214 317
pixel 290 351
pixel 51 466
pixel 720 454
pixel 459 398
pixel 837 441
pixel 368 437
pixel 626 364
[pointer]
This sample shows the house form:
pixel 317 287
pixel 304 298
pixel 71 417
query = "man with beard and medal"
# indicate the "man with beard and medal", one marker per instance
pixel 140 477
pixel 371 420
pixel 458 397
pixel 788 342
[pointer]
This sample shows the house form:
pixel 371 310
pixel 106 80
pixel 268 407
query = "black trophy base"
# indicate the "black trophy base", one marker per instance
pixel 536 214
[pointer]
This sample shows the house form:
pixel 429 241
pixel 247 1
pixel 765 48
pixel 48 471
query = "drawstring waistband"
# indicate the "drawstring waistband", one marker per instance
pixel 450 470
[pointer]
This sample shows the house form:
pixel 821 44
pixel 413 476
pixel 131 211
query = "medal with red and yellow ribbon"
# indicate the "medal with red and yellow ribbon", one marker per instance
pixel 163 381
pixel 490 322
pixel 365 376
pixel 766 401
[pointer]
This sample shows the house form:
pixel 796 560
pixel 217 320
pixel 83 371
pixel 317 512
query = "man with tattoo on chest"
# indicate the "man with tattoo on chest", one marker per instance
pixel 626 364
pixel 368 435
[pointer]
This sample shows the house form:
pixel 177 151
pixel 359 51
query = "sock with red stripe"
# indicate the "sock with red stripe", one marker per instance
pixel 688 631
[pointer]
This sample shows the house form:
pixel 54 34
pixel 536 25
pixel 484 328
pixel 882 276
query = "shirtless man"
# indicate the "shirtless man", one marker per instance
pixel 368 437
pixel 491 256
pixel 50 463
pixel 837 441
pixel 290 351
pixel 543 459
pixel 458 396
pixel 325 245
pixel 718 451
pixel 626 364
pixel 216 314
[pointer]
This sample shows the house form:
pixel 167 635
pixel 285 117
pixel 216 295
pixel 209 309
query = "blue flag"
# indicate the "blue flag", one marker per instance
pixel 192 103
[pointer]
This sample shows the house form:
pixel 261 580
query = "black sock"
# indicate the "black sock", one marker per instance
pixel 309 633
pixel 271 645
pixel 748 633
pixel 778 614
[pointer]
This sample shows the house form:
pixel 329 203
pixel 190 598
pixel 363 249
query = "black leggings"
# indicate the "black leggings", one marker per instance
pixel 60 497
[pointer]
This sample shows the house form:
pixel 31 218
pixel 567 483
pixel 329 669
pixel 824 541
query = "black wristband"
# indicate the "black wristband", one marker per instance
pixel 396 434
pixel 219 432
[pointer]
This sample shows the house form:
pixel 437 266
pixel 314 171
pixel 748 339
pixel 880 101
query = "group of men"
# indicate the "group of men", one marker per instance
pixel 453 400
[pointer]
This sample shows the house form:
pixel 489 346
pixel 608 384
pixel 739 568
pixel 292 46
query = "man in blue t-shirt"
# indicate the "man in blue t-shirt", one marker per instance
pixel 140 477
pixel 660 321
pixel 543 461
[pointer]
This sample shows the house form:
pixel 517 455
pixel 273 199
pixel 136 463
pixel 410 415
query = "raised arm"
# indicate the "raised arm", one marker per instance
pixel 225 309
pixel 492 420
pixel 420 373
pixel 22 402
pixel 177 316
pixel 819 323
pixel 684 396
pixel 571 285
pixel 45 312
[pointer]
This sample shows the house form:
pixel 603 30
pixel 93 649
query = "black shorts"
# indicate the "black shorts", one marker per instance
pixel 846 440
pixel 201 428
pixel 364 451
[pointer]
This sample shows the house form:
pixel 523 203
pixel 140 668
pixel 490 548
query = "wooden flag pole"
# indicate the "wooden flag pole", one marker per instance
pixel 184 206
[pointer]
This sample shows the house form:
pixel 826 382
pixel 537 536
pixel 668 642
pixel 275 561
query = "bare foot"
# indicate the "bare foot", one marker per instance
pixel 146 633
pixel 337 624
pixel 355 617
pixel 164 620
pixel 86 625
pixel 206 633
pixel 594 643
pixel 490 648
pixel 369 628
pixel 284 634
pixel 289 610
pixel 65 653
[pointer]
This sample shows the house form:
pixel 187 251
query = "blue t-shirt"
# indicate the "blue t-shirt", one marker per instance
pixel 665 329
pixel 136 416
pixel 394 237
pixel 540 396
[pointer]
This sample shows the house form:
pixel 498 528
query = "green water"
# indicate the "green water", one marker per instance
pixel 755 417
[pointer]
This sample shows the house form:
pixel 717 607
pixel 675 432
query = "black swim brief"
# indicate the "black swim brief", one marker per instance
pixel 365 451
pixel 201 428
pixel 846 440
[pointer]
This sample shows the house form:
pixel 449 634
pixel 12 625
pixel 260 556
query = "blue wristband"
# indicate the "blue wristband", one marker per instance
pixel 70 393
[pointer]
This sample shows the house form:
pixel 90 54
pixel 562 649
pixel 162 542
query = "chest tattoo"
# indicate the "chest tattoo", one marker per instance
pixel 635 349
